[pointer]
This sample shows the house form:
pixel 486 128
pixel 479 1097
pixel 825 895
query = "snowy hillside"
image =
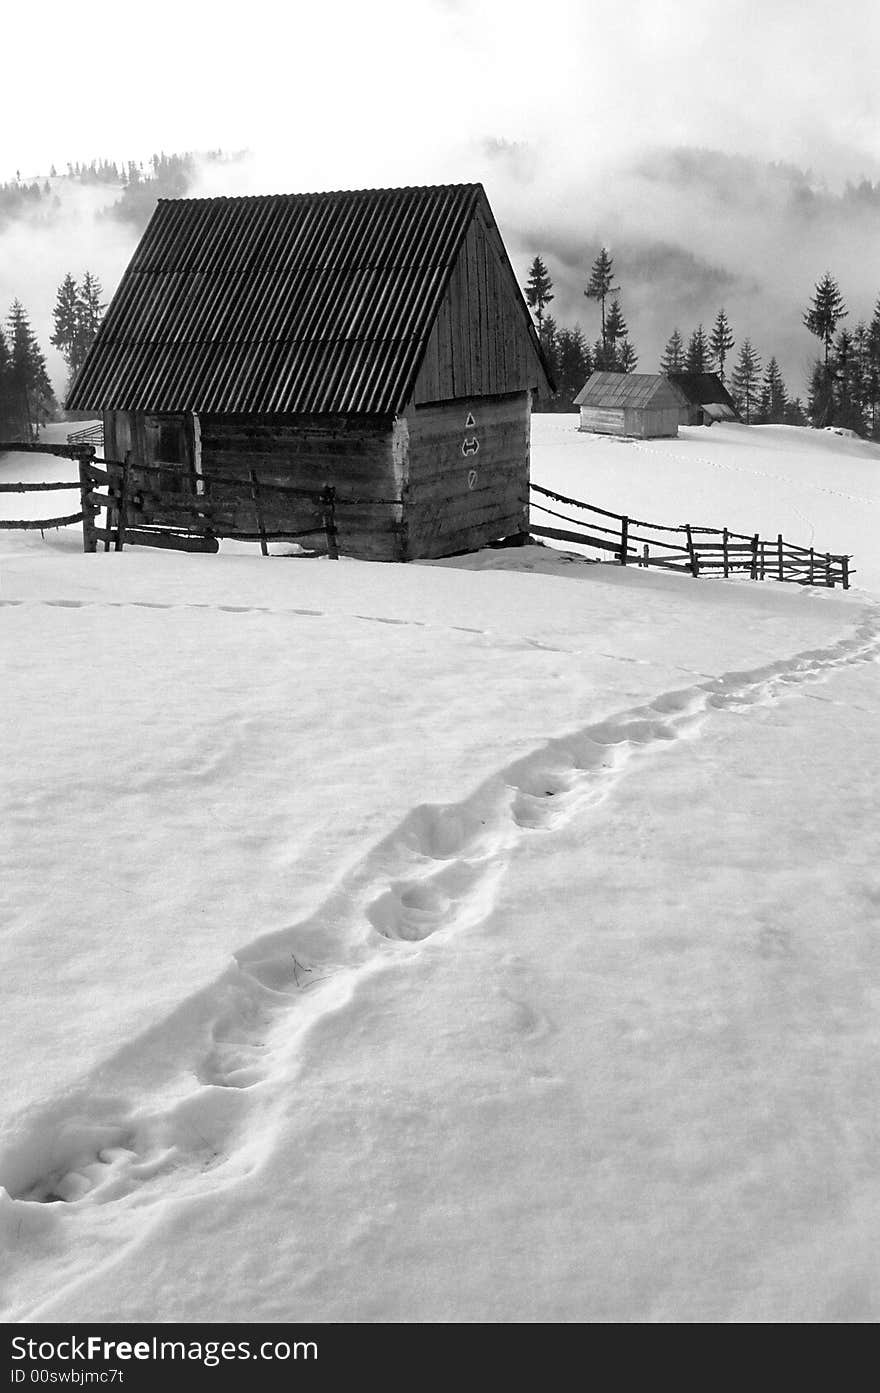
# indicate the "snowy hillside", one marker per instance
pixel 483 940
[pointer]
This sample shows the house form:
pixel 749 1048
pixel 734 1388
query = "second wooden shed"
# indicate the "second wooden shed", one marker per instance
pixel 640 404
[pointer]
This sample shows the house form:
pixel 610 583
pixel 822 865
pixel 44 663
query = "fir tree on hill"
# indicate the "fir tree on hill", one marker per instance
pixel 539 290
pixel 32 398
pixel 746 381
pixel 848 382
pixel 673 354
pixel 628 358
pixel 549 336
pixel 774 397
pixel 77 315
pixel 872 369
pixel 9 428
pixel 826 311
pixel 574 366
pixel 601 286
pixel 721 342
pixel 696 359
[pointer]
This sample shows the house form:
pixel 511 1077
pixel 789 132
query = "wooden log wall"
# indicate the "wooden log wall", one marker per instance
pixel 468 481
pixel 359 456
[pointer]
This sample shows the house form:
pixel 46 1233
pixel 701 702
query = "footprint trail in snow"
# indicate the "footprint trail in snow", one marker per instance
pixel 154 1117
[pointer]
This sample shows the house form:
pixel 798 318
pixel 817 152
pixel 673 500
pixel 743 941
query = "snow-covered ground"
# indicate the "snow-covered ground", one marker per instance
pixel 485 940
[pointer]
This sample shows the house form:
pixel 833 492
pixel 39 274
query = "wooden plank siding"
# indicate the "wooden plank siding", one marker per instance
pixel 353 454
pixel 479 344
pixel 359 456
pixel 457 501
pixel 642 423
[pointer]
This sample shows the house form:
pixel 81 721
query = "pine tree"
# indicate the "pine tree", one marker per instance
pixel 697 357
pixel 601 358
pixel 8 417
pixel 627 357
pixel 615 333
pixel 549 336
pixel 721 342
pixel 746 379
pixel 847 386
pixel 872 369
pixel 858 384
pixel 673 354
pixel 601 286
pixel 66 317
pixel 574 366
pixel 774 397
pixel 825 312
pixel 91 308
pixel 539 290
pixel 32 396
pixel 820 396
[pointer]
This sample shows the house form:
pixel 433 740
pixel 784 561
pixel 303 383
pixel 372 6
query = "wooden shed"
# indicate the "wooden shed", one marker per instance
pixel 373 340
pixel 640 404
pixel 706 397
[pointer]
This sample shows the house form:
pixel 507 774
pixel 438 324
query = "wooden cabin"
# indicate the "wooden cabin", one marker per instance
pixel 374 340
pixel 706 398
pixel 641 404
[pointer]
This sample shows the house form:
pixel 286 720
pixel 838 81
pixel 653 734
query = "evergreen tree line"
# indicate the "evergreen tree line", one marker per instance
pixel 761 398
pixel 163 176
pixel 570 357
pixel 27 400
pixel 844 386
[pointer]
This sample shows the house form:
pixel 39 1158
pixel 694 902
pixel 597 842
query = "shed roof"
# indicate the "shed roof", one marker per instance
pixel 703 388
pixel 628 390
pixel 311 303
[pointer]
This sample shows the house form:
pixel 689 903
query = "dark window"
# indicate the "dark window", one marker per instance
pixel 170 450
pixel 171 443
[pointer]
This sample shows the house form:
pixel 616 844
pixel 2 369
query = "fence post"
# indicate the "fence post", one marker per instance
pixel 255 495
pixel 724 537
pixel 812 559
pixel 122 505
pixel 844 567
pixel 779 551
pixel 90 541
pixel 645 561
pixel 829 578
pixel 695 567
pixel 328 504
pixel 624 539
pixel 755 557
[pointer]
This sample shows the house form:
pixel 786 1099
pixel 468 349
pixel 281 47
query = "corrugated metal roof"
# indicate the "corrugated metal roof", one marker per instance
pixel 280 303
pixel 628 389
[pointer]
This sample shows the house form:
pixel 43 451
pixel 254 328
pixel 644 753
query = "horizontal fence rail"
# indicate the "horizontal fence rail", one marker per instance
pixel 689 548
pixel 90 435
pixel 74 452
pixel 168 505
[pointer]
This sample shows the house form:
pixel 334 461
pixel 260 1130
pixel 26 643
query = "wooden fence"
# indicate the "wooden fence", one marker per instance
pixel 166 505
pixel 689 548
pixel 73 452
pixel 89 435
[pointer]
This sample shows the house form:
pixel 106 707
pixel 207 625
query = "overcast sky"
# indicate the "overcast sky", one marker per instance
pixel 396 90
pixel 567 111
